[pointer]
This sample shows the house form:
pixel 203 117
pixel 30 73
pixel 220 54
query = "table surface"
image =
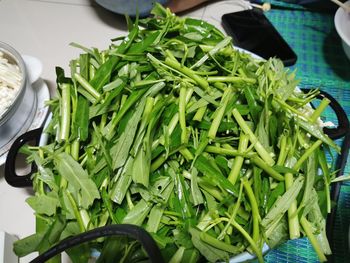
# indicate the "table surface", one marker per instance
pixel 45 28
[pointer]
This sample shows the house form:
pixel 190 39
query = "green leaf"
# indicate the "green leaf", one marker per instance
pixel 144 43
pixel 196 193
pixel 182 193
pixel 71 229
pixel 212 254
pixel 142 165
pixel 120 151
pixel 44 204
pixel 103 74
pixel 215 176
pixel 81 119
pixel 342 178
pixel 271 220
pixel 109 130
pixel 154 219
pixel 77 177
pixel 51 230
pixel 283 169
pixel 119 190
pixel 27 245
pixel 254 108
pixel 138 213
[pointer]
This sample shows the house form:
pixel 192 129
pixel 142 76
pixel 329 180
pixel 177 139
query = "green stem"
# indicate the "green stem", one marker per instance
pixel 293 221
pixel 145 82
pixel 76 212
pixel 308 230
pixel 188 72
pixel 187 154
pixel 255 209
pixel 86 85
pixel 223 43
pixel 283 151
pixel 182 114
pixel 318 111
pixel 200 113
pixel 231 79
pixel 268 169
pixel 107 202
pixel 219 113
pixel 229 152
pixel 291 109
pixel 173 122
pixel 306 154
pixel 254 246
pixel 75 149
pixel 238 161
pixel 65 112
pixel 264 154
pixel 234 213
pixel 218 244
pixel 212 190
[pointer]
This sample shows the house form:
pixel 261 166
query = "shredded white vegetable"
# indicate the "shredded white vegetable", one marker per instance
pixel 10 82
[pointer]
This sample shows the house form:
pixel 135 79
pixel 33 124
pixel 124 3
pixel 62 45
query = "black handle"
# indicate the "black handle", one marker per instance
pixel 10 166
pixel 341 131
pixel 132 231
pixel 343 121
pixel 335 187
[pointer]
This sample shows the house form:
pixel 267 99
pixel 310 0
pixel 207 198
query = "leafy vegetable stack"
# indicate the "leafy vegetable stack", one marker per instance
pixel 212 151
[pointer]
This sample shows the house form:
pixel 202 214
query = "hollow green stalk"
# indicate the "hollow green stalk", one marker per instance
pixel 306 154
pixel 76 211
pixel 218 244
pixel 86 85
pixel 219 113
pixel 65 112
pixel 318 111
pixel 182 114
pixel 230 79
pixel 283 151
pixel 308 231
pixel 255 210
pixel 268 169
pixel 238 161
pixel 200 113
pixel 234 213
pixel 229 152
pixel 253 245
pixel 293 221
pixel 188 72
pixel 264 154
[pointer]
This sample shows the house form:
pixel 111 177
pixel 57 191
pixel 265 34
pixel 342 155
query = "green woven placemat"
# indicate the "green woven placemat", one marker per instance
pixel 321 64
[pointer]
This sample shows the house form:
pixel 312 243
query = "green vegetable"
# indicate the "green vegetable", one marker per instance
pixel 212 151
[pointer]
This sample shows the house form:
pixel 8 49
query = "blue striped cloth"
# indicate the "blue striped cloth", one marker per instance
pixel 321 64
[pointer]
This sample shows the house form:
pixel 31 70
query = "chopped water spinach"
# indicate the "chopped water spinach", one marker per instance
pixel 171 128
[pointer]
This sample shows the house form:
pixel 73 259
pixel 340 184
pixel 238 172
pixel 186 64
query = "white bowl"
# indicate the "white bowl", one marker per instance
pixel 342 25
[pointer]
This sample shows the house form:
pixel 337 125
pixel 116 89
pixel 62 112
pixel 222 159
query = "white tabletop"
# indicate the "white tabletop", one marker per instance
pixel 44 29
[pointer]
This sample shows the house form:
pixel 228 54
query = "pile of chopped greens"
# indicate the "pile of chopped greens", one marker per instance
pixel 212 151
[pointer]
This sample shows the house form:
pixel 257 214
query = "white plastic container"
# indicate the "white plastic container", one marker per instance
pixel 6 252
pixel 342 25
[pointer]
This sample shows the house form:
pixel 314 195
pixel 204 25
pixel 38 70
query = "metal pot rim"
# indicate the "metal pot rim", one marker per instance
pixel 13 55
